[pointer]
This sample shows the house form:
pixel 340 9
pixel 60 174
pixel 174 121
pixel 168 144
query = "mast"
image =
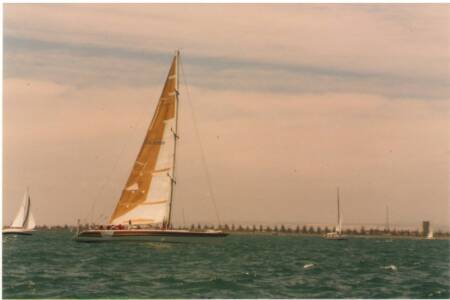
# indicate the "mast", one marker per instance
pixel 175 136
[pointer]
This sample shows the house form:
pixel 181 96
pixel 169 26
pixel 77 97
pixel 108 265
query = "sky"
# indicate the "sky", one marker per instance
pixel 290 101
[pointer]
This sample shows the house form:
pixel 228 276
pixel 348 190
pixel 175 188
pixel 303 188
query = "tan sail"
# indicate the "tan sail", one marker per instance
pixel 147 194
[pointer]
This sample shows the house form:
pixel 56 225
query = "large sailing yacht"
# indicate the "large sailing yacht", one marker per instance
pixel 337 234
pixel 23 223
pixel 144 210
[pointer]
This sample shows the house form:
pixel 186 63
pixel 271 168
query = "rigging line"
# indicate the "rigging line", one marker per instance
pixel 202 152
pixel 108 180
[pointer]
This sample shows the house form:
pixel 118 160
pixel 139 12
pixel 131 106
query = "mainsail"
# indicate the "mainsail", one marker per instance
pixel 24 218
pixel 147 195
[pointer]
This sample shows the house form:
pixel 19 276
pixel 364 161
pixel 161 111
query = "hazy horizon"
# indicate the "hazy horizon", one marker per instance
pixel 291 101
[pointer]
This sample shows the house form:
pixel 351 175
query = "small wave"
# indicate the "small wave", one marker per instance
pixel 435 294
pixel 249 274
pixel 391 268
pixel 157 246
pixel 308 266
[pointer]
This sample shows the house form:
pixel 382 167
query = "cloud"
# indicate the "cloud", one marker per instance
pixel 300 48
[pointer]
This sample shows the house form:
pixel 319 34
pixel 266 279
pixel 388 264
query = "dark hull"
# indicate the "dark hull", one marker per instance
pixel 10 232
pixel 174 236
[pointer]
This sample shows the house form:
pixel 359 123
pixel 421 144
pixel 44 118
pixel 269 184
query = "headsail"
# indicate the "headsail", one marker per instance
pixel 23 214
pixel 146 197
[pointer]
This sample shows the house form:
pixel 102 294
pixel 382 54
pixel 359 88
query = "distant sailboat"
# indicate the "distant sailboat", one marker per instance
pixel 337 234
pixel 24 221
pixel 144 210
pixel 430 235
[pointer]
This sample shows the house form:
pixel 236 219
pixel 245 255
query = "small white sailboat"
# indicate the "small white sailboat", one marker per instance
pixel 430 235
pixel 23 223
pixel 144 210
pixel 337 234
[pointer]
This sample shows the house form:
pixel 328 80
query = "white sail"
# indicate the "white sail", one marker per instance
pixel 22 215
pixel 31 224
pixel 147 194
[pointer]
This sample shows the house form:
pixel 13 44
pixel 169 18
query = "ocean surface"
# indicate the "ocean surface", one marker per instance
pixel 52 265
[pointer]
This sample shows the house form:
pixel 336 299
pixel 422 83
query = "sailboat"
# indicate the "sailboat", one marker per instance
pixel 337 234
pixel 144 210
pixel 24 221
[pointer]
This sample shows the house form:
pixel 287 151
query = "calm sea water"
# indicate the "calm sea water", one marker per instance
pixel 51 265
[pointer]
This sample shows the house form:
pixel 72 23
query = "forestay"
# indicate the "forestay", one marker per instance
pixel 147 194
